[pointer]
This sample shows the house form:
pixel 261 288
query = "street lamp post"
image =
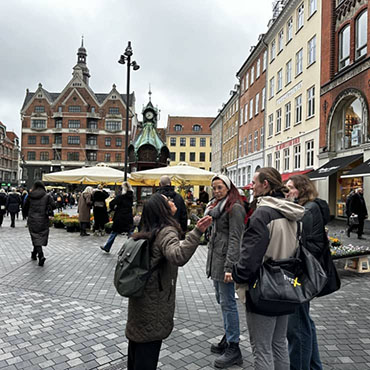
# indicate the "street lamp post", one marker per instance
pixel 126 59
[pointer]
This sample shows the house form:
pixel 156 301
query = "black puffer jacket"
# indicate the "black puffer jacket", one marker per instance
pixel 122 207
pixel 358 206
pixel 13 202
pixel 3 197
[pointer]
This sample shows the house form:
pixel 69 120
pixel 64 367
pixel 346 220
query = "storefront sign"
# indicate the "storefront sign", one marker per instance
pixel 327 169
pixel 288 143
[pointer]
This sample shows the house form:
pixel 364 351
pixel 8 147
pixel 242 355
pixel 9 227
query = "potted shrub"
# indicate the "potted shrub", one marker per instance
pixel 71 224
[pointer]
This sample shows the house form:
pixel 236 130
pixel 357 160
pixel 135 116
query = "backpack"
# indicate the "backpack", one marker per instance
pixel 133 268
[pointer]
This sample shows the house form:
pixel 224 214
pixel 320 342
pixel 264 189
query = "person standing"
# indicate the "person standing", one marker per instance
pixel 100 210
pixel 3 198
pixel 271 233
pixel 38 206
pixel 12 205
pixel 23 201
pixel 123 218
pixel 84 209
pixel 302 340
pixel 228 214
pixel 357 206
pixel 150 317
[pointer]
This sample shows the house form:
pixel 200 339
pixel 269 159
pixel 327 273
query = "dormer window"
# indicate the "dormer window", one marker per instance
pixel 39 109
pixel 178 127
pixel 197 128
pixel 114 97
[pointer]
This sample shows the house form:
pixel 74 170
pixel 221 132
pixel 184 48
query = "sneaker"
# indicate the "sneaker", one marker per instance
pixel 220 347
pixel 103 249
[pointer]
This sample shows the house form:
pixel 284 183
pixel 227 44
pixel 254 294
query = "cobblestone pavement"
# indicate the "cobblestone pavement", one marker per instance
pixel 67 315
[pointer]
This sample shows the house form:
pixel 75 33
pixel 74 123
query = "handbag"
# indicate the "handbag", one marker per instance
pixel 282 285
pixel 353 220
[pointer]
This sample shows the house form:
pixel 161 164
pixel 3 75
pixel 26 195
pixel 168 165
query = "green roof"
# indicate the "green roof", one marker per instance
pixel 148 136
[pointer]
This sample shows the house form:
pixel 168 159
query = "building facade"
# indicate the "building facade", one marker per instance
pixel 9 158
pixel 216 129
pixel 345 94
pixel 292 120
pixel 252 77
pixel 75 127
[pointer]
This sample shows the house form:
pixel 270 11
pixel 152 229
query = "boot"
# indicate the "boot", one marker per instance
pixel 33 256
pixel 220 347
pixel 232 356
pixel 41 259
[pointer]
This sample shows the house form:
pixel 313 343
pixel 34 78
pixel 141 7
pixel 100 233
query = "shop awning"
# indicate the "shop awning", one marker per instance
pixel 285 176
pixel 333 166
pixel 362 170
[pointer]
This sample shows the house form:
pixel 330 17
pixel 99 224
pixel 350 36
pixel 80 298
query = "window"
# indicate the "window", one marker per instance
pixel 251 109
pixel 269 160
pixel 252 75
pixel 118 157
pixel 289 30
pixel 312 50
pixel 361 35
pixel 262 137
pixel 250 143
pixel 172 156
pixel 44 156
pixel 118 141
pixel 73 156
pixel 257 99
pixel 58 123
pixel 344 48
pixel 240 147
pixel 182 156
pixel 91 156
pixel 258 68
pixel 39 109
pixel 263 98
pixel 107 157
pixel 74 108
pixel 178 128
pixel 278 121
pixel 193 141
pixel 286 159
pixel 202 141
pixel 113 110
pixel 202 157
pixel 73 123
pixel 277 161
pixel 280 41
pixel 264 61
pixel 31 156
pixel 271 125
pixel 298 109
pixel 279 80
pixel 299 62
pixel 108 141
pixel 182 141
pixel 312 7
pixel 247 81
pixel 309 153
pixel 73 140
pixel 31 140
pixel 172 141
pixel 197 128
pixel 44 139
pixel 242 84
pixel 246 112
pixel 92 109
pixel 300 16
pixel 58 139
pixel 288 72
pixel 91 140
pixel 288 109
pixel 311 102
pixel 38 124
pixel 272 50
pixel 92 125
pixel 60 109
pixel 113 126
pixel 255 144
pixel 297 157
pixel 192 157
pixel 272 87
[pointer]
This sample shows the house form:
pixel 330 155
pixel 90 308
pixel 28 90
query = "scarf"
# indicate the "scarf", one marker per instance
pixel 215 209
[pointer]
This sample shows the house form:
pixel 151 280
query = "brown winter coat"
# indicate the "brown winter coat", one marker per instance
pixel 84 207
pixel 150 317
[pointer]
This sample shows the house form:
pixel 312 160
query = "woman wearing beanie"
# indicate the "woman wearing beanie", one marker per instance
pixel 228 215
pixel 122 220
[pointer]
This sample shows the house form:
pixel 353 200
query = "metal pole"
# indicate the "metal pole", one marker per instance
pixel 127 110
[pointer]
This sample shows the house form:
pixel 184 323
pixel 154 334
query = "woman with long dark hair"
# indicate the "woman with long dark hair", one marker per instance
pixel 228 215
pixel 37 208
pixel 150 317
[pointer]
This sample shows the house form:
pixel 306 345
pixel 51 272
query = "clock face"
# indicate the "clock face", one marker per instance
pixel 149 115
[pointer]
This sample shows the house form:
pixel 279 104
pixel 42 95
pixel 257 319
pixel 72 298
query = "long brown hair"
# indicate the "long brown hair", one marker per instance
pixel 306 189
pixel 273 177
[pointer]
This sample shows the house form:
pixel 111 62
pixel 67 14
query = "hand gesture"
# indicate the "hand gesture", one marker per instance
pixel 204 223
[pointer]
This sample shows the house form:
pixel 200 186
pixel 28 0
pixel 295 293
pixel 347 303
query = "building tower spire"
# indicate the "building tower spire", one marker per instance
pixel 81 66
pixel 150 93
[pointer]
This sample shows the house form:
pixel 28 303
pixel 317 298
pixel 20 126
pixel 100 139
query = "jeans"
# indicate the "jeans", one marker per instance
pixel 225 296
pixel 303 348
pixel 109 243
pixel 143 356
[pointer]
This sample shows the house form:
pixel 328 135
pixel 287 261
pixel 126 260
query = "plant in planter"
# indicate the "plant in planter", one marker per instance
pixel 71 225
pixel 58 220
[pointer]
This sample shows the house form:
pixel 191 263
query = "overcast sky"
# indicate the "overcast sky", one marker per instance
pixel 188 50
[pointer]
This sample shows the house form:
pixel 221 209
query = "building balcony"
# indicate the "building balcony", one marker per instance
pixel 57 115
pixel 93 115
pixel 56 161
pixel 57 146
pixel 92 147
pixel 113 116
pixel 92 131
pixel 39 115
pixel 57 129
pixel 38 128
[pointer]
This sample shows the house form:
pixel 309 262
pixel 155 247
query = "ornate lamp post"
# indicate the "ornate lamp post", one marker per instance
pixel 126 59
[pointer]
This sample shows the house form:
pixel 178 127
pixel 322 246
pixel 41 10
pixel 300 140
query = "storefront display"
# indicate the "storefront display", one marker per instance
pixel 344 187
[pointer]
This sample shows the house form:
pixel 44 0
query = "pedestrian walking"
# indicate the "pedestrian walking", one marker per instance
pixel 150 317
pixel 3 198
pixel 23 201
pixel 228 215
pixel 12 205
pixel 59 201
pixel 38 207
pixel 84 210
pixel 271 233
pixel 357 206
pixel 302 340
pixel 100 210
pixel 121 205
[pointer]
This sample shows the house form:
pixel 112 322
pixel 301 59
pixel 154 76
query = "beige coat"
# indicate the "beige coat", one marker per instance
pixel 150 317
pixel 84 207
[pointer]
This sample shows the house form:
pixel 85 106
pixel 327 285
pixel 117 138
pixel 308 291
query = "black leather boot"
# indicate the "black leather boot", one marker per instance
pixel 220 347
pixel 34 255
pixel 41 259
pixel 232 356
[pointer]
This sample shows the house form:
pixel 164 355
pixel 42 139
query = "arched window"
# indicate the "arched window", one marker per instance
pixel 344 47
pixel 197 128
pixel 178 128
pixel 361 35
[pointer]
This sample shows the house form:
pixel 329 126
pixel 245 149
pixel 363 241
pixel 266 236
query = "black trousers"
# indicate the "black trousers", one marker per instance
pixel 12 218
pixel 37 250
pixel 143 356
pixel 1 218
pixel 359 227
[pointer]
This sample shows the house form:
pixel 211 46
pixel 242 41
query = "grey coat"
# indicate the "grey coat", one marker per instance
pixel 84 207
pixel 224 246
pixel 150 317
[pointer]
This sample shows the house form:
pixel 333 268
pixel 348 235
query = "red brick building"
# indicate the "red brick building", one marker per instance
pixel 345 96
pixel 75 127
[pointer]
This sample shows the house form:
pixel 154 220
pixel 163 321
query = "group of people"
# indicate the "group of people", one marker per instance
pixel 12 203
